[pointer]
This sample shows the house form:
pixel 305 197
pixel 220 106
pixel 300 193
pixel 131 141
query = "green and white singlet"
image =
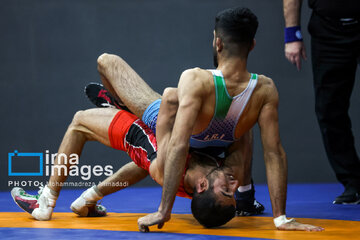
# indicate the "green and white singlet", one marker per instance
pixel 221 130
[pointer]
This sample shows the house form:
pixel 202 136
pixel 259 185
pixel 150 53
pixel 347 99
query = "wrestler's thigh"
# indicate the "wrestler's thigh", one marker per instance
pixel 133 91
pixel 95 123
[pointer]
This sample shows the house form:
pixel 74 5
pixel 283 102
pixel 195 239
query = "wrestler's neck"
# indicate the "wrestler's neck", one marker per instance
pixel 193 175
pixel 233 67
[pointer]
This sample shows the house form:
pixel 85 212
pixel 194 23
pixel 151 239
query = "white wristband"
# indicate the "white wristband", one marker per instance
pixel 280 220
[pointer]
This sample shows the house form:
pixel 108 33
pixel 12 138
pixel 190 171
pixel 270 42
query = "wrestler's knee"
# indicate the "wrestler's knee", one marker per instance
pixel 103 61
pixel 79 126
pixel 170 96
pixel 106 61
pixel 77 120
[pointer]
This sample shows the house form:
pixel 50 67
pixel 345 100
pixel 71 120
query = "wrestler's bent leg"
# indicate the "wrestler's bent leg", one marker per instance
pixel 129 134
pixel 89 125
pixel 125 84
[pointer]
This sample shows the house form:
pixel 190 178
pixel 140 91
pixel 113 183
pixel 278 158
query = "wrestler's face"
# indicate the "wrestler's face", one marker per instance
pixel 224 186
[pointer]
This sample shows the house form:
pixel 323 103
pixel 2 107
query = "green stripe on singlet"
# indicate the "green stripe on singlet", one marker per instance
pixel 223 100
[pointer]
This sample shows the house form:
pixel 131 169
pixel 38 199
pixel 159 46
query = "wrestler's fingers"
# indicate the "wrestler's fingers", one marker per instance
pixel 160 225
pixel 311 228
pixel 144 229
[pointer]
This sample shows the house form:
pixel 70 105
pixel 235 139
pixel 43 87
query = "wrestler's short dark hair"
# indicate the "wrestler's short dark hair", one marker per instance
pixel 208 211
pixel 237 26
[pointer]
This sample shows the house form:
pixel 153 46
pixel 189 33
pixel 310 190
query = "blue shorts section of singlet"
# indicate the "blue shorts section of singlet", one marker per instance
pixel 151 114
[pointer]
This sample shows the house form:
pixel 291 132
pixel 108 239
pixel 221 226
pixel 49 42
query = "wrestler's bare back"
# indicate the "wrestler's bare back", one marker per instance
pixel 235 84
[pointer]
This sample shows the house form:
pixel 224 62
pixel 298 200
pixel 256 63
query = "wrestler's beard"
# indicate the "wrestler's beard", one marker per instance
pixel 215 58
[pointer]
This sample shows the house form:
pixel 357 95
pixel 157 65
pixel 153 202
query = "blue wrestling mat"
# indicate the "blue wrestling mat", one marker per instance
pixel 304 201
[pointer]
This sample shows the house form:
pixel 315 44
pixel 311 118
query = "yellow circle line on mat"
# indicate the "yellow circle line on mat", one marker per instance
pixel 251 227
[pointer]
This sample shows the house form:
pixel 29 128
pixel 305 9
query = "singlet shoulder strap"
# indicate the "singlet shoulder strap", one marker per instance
pixel 223 99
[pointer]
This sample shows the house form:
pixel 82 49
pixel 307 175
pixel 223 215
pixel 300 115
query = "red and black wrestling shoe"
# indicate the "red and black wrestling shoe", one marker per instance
pixel 101 97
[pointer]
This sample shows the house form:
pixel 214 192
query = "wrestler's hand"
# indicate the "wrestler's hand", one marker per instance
pixel 296 226
pixel 152 219
pixel 294 51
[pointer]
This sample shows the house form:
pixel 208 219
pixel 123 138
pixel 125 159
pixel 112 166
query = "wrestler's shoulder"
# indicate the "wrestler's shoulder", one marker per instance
pixel 198 77
pixel 266 87
pixel 266 82
pixel 197 72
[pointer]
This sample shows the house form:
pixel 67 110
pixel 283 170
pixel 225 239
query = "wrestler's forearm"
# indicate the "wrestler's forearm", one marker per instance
pixel 292 10
pixel 165 123
pixel 240 158
pixel 174 169
pixel 276 171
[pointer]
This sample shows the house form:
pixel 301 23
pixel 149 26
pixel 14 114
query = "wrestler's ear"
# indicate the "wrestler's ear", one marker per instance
pixel 219 44
pixel 253 44
pixel 202 185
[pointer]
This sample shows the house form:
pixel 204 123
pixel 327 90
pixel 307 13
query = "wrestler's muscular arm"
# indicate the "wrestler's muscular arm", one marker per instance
pixel 190 92
pixel 274 155
pixel 275 159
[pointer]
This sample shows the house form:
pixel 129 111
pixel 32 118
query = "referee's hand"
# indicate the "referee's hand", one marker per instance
pixel 294 51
